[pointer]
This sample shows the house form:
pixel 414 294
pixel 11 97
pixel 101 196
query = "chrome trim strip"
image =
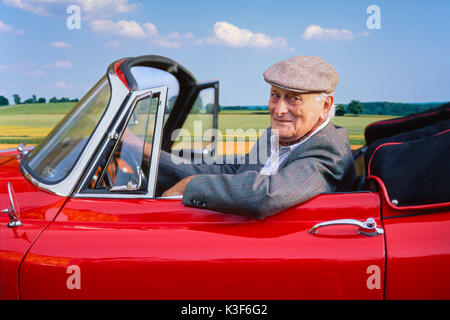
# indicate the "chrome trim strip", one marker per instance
pixel 157 137
pixel 121 196
pixel 7 150
pixel 66 187
pixel 177 197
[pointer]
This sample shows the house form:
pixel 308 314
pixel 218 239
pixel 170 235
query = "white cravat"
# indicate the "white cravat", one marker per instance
pixel 278 155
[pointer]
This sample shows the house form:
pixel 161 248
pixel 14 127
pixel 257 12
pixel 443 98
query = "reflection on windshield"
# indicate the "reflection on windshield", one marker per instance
pixel 147 77
pixel 55 157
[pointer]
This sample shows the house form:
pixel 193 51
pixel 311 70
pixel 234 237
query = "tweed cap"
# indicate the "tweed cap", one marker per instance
pixel 303 74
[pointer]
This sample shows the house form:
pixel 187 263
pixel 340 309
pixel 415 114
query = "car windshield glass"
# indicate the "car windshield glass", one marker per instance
pixel 55 157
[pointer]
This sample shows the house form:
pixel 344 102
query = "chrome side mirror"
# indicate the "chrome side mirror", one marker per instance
pixel 13 210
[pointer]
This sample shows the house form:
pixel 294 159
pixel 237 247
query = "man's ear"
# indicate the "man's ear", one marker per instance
pixel 328 102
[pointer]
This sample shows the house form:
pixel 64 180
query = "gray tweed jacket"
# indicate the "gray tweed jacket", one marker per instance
pixel 321 164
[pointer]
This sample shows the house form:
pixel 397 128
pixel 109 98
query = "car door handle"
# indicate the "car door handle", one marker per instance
pixel 368 228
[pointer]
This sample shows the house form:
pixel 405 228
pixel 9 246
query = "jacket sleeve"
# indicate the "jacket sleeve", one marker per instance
pixel 172 169
pixel 258 196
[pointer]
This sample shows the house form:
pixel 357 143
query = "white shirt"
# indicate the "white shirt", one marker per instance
pixel 280 154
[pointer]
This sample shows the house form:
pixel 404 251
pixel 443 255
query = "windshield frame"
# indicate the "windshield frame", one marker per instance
pixel 65 186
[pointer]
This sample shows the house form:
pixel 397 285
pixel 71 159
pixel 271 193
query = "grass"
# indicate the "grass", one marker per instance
pixel 31 123
pixel 37 109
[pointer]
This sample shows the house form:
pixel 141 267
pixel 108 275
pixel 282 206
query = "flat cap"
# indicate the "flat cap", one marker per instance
pixel 303 74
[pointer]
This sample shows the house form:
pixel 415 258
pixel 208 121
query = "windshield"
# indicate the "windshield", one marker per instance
pixel 54 158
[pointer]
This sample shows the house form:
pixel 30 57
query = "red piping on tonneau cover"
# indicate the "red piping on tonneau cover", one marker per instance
pixel 403 119
pixel 384 189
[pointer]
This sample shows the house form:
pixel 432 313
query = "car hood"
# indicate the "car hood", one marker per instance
pixel 6 155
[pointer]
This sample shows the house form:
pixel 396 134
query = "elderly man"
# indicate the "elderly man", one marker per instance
pixel 312 156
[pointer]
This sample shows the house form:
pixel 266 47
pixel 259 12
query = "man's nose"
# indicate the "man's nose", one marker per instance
pixel 281 107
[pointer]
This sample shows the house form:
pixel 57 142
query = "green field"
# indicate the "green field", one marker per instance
pixel 31 123
pixel 38 108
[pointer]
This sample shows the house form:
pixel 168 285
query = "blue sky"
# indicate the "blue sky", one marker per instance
pixel 407 60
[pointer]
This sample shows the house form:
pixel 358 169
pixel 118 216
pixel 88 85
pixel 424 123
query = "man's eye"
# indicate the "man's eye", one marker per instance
pixel 275 95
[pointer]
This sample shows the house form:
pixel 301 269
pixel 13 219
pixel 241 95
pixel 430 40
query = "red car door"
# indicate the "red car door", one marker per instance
pixel 161 249
pixel 35 209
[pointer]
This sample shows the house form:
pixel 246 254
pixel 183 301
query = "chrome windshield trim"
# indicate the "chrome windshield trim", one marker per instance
pixel 156 148
pixel 37 183
pixel 66 186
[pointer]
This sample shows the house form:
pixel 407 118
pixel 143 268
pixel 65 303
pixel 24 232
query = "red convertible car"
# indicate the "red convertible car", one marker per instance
pixel 83 216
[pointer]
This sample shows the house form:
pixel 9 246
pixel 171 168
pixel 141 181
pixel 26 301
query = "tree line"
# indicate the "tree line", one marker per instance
pixel 356 108
pixel 18 100
pixel 383 108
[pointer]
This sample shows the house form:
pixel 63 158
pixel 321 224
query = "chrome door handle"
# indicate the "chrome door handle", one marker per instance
pixel 368 228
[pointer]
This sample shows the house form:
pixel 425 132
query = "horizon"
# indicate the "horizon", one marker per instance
pixel 251 105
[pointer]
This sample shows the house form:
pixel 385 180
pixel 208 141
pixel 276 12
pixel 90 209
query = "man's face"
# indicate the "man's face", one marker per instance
pixel 294 114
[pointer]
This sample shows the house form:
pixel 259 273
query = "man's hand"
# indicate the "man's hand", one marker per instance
pixel 178 189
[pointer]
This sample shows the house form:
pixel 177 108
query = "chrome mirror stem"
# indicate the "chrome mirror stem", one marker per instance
pixel 11 211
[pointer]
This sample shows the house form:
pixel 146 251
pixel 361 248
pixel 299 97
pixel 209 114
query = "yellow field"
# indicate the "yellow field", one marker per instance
pixel 30 120
pixel 17 131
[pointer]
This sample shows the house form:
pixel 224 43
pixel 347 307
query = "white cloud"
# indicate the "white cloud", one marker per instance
pixel 112 44
pixel 124 28
pixel 150 29
pixel 132 29
pixel 5 28
pixel 177 36
pixel 316 32
pixel 163 42
pixel 59 65
pixel 98 6
pixel 222 33
pixel 175 40
pixel 233 36
pixel 63 85
pixel 90 8
pixel 35 73
pixel 364 34
pixel 21 68
pixel 60 44
pixel 28 5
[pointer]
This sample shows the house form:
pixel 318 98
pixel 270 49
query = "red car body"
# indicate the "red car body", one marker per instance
pixel 72 247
